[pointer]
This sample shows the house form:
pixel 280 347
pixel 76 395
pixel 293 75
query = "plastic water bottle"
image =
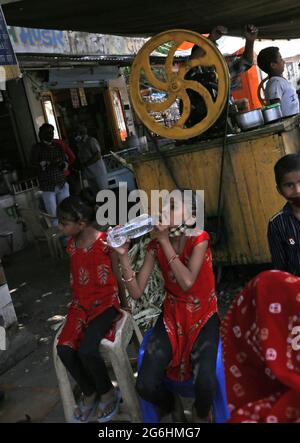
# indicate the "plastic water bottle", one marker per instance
pixel 136 227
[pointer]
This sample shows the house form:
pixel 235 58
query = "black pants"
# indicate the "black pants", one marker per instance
pixel 158 355
pixel 86 365
pixel 74 183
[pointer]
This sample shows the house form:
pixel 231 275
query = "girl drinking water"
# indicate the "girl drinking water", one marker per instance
pixel 94 309
pixel 185 339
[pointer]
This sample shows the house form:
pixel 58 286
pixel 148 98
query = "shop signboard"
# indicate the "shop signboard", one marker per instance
pixel 49 41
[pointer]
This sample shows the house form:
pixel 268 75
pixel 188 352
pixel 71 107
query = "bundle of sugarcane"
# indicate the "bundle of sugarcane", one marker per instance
pixel 146 309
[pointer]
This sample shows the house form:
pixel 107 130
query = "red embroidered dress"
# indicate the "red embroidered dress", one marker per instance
pixel 94 289
pixel 185 313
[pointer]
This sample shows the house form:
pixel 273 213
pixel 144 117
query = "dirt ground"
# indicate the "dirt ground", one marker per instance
pixel 40 291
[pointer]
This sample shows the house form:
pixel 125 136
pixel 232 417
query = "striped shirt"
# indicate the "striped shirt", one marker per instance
pixel 284 241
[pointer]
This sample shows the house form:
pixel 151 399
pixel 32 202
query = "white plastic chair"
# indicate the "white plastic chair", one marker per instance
pixel 40 226
pixel 116 353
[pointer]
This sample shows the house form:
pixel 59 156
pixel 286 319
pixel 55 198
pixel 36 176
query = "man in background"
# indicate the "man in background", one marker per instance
pixel 50 161
pixel 91 161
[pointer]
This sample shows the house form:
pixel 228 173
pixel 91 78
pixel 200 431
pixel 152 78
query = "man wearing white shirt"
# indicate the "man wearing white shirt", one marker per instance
pixel 278 89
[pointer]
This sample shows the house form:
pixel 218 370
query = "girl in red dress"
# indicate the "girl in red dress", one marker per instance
pixel 94 309
pixel 185 339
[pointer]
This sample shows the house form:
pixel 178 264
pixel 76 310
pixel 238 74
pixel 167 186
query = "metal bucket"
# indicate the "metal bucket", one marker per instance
pixel 272 113
pixel 250 120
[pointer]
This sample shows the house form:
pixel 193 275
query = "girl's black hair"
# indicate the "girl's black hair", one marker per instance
pixel 286 164
pixel 78 208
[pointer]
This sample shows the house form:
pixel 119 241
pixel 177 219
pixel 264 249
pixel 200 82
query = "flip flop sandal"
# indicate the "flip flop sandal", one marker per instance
pixel 103 405
pixel 84 409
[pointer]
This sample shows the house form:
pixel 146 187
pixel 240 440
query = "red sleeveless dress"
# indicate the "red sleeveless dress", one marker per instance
pixel 185 313
pixel 94 289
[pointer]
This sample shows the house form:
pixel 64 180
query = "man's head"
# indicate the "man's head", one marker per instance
pixel 270 61
pixel 287 176
pixel 46 132
pixel 81 130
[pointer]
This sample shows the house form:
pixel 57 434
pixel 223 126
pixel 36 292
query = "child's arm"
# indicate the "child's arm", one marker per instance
pixel 251 32
pixel 135 284
pixel 116 270
pixel 185 275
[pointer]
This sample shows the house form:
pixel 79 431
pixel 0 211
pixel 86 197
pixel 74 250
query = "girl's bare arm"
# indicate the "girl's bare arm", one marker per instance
pixel 136 285
pixel 116 270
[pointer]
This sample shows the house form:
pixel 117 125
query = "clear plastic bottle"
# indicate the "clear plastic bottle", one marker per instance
pixel 136 227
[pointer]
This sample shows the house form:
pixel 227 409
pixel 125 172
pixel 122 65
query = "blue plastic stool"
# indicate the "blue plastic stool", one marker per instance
pixel 186 389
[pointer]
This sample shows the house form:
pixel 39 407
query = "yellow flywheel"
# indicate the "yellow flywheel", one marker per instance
pixel 261 92
pixel 174 85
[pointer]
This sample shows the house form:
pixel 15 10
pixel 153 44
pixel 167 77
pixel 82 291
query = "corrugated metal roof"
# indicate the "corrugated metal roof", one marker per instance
pixel 38 61
pixel 35 61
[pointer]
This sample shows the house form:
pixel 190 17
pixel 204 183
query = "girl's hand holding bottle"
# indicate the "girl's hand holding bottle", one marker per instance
pixel 123 248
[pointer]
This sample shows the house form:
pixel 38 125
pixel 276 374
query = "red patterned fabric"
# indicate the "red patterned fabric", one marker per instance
pixel 68 153
pixel 94 289
pixel 185 313
pixel 262 369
